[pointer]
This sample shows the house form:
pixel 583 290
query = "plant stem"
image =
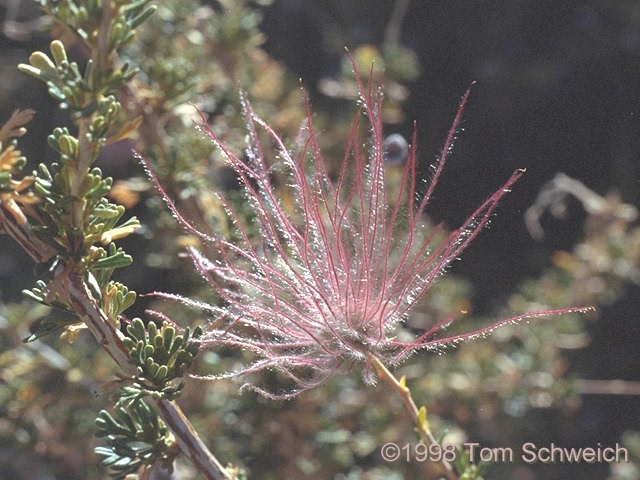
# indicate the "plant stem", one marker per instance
pixel 422 426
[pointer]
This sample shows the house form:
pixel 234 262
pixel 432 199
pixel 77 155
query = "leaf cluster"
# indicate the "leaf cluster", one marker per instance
pixel 14 193
pixel 466 469
pixel 161 354
pixel 85 19
pixel 11 163
pixel 136 436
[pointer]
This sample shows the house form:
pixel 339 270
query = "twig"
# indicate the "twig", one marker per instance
pixel 422 426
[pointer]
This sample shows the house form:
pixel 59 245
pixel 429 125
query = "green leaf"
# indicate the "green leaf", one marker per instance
pixel 118 260
pixel 144 16
pixel 137 330
pixel 46 325
pixel 58 52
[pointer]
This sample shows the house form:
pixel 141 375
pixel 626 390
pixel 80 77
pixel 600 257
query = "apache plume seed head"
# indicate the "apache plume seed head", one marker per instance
pixel 329 283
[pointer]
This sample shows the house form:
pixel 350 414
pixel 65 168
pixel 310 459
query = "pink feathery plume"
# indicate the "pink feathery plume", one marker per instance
pixel 329 283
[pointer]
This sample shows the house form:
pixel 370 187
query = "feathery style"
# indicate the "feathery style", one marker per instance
pixel 329 282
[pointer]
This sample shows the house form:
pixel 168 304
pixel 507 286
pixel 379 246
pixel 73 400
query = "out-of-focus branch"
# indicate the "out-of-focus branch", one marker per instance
pixel 607 387
pixel 553 197
pixel 394 28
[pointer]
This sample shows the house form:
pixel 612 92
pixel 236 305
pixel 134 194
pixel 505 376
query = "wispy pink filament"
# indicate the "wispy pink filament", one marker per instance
pixel 330 282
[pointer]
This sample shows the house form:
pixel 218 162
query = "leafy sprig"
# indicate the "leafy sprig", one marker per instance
pixel 74 214
pixel 77 226
pixel 161 354
pixel 135 437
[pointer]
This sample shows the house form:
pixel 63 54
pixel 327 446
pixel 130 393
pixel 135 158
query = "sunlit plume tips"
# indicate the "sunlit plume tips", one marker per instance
pixel 317 289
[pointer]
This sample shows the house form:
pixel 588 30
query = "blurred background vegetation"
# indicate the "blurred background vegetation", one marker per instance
pixel 557 90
